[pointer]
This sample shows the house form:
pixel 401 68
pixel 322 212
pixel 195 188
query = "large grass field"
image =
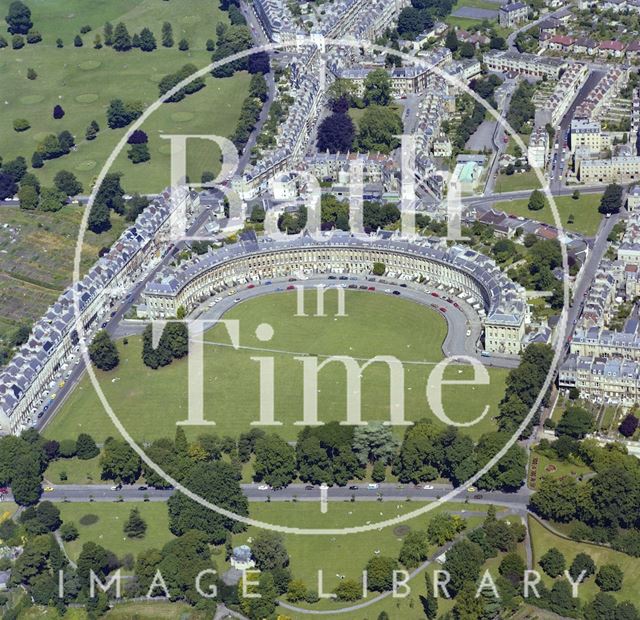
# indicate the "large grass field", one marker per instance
pixel 107 529
pixel 150 402
pixel 348 555
pixel 586 218
pixel 83 81
pixel 37 250
pixel 542 540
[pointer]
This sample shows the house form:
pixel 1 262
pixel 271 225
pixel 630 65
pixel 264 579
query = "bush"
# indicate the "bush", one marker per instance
pixel 67 448
pixel 33 36
pixel 21 124
pixel 77 41
pixel 58 112
pixel 68 531
pixel 17 42
pixel 31 74
pixel 183 46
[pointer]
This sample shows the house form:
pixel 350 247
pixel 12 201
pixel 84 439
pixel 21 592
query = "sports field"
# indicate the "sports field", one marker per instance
pixel 83 80
pixel 150 402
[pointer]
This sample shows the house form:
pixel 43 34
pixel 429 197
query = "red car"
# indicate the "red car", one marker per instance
pixel 435 294
pixel 443 309
pixel 371 288
pixel 290 287
pixel 456 305
pixel 251 286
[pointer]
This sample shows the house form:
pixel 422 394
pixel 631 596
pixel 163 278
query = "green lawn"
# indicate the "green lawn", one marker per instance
pixel 543 539
pixel 149 403
pixel 107 530
pixel 356 114
pixel 84 80
pixel 78 471
pixel 517 181
pixel 584 211
pixel 347 555
pixel 555 468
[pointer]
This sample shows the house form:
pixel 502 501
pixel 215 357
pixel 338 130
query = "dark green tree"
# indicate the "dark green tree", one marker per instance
pixel 103 352
pixel 135 526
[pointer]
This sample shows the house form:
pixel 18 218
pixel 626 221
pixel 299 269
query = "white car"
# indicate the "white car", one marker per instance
pixel 428 487
pixel 264 487
pixel 372 486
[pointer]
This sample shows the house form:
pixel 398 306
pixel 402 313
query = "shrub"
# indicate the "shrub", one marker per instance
pixel 17 42
pixel 58 112
pixel 21 124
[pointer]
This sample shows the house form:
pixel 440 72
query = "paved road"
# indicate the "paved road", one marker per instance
pixel 299 492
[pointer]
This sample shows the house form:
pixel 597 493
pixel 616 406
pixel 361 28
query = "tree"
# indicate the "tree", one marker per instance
pixel 28 197
pixel 626 611
pixel 167 35
pixel 92 130
pixel 86 447
pixel 216 482
pixel 18 18
pixel 602 607
pixel 576 194
pixel 275 461
pixel 552 562
pixel 17 42
pixel 108 34
pixel 26 480
pixel 183 45
pixel 451 40
pixel 556 499
pixel 97 42
pixel 121 38
pixel 611 201
pixel 377 88
pixel 576 422
pixel 629 425
pixel 139 153
pixel 609 578
pixel 135 206
pixel 94 558
pixel 103 351
pixel 378 129
pixel 77 41
pixel 463 563
pixel 561 600
pixel 120 114
pixel 147 40
pixel 135 526
pixel 67 182
pixel 536 200
pixel 58 112
pixel 414 549
pixel 99 219
pixel 52 199
pixel 119 462
pixel 336 134
pixel 258 87
pixel 59 43
pixel 297 591
pixel 380 573
pixel 269 551
pixel 582 563
pixel 36 160
pixel 8 186
pixel 497 43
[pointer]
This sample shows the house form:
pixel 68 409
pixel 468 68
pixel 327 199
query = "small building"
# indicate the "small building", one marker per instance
pixel 633 198
pixel 513 13
pixel 241 558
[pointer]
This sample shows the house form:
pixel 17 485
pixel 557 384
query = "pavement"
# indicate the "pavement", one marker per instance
pixel 298 492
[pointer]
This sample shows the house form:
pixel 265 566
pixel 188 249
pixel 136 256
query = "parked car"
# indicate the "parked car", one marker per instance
pixel 372 486
pixel 396 292
pixel 354 487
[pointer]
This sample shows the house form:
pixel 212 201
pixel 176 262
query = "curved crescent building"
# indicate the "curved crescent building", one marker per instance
pixel 500 302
